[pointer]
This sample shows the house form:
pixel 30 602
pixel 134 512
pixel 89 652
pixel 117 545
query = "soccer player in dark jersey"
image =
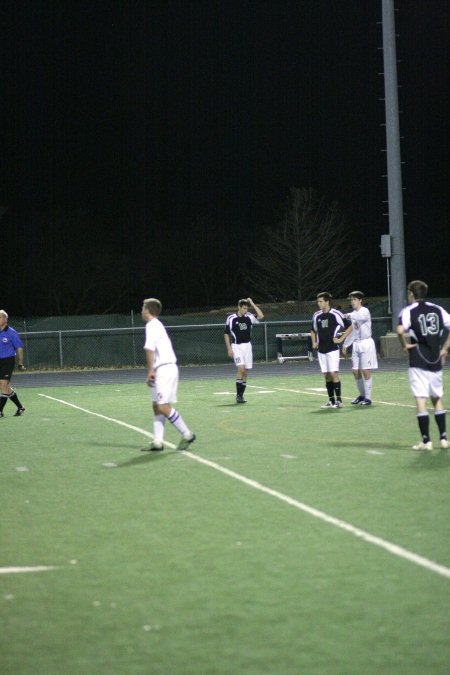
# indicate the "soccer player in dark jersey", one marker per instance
pixel 426 323
pixel 10 347
pixel 326 324
pixel 237 336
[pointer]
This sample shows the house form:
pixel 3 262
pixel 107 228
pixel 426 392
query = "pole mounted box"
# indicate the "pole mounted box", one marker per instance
pixel 385 246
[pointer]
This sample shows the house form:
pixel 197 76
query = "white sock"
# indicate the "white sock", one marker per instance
pixel 179 424
pixel 368 388
pixel 360 385
pixel 158 428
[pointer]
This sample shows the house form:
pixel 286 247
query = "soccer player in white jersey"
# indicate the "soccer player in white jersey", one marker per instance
pixel 425 321
pixel 364 353
pixel 162 377
pixel 237 336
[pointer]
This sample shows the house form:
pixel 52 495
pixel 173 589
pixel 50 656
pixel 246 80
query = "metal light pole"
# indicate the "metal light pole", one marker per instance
pixel 394 176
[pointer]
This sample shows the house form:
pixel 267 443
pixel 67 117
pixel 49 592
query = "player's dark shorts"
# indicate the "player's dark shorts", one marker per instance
pixel 7 367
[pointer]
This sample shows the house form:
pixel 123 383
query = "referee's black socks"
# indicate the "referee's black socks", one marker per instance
pixel 14 398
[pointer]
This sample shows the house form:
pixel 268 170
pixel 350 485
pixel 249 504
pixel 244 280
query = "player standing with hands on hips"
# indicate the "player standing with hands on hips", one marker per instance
pixel 327 322
pixel 10 347
pixel 425 322
pixel 364 353
pixel 237 336
pixel 162 377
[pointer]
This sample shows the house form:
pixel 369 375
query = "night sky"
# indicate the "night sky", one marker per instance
pixel 143 141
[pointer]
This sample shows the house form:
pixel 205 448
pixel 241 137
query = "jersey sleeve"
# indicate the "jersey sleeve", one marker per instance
pixel 445 318
pixel 16 341
pixel 150 337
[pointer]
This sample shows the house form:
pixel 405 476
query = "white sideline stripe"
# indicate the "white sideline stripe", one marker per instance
pixel 356 531
pixel 341 524
pixel 16 570
pixel 313 392
pixel 103 417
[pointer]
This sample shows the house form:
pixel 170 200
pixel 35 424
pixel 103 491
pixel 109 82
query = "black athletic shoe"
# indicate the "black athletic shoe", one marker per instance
pixel 240 399
pixel 358 399
pixel 366 401
pixel 185 442
pixel 1 415
pixel 19 412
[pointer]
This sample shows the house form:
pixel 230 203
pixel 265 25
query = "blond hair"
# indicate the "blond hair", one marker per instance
pixel 153 306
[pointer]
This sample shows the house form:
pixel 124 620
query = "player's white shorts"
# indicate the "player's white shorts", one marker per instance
pixel 364 355
pixel 425 383
pixel 243 354
pixel 166 384
pixel 329 362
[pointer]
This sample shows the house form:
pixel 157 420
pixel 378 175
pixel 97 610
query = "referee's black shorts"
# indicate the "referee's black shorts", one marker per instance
pixel 7 367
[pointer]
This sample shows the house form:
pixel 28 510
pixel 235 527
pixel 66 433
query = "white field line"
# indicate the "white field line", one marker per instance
pixel 18 570
pixel 310 392
pixel 398 551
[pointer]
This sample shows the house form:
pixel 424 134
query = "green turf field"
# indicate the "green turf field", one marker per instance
pixel 291 540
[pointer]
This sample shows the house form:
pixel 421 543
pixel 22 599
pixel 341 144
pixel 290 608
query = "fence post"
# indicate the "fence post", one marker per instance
pixel 265 341
pixel 133 336
pixel 60 349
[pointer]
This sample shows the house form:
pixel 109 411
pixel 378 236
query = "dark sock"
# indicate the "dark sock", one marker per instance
pixel 240 386
pixel 13 397
pixel 330 390
pixel 424 426
pixel 3 400
pixel 440 421
pixel 337 389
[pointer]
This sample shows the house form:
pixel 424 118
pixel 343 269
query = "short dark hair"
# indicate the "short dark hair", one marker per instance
pixel 418 288
pixel 153 305
pixel 356 294
pixel 325 295
pixel 243 301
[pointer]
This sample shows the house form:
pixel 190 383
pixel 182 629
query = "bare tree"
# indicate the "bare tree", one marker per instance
pixel 307 251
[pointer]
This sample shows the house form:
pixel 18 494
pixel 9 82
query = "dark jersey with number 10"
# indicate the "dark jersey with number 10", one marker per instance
pixel 426 323
pixel 327 325
pixel 239 328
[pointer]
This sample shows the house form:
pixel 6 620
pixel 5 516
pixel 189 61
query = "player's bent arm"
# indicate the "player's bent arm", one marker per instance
pixel 149 356
pixel 259 313
pixel 445 348
pixel 346 333
pixel 401 337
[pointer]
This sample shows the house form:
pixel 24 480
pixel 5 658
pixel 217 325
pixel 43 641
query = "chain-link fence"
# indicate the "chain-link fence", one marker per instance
pixel 117 340
pixel 195 344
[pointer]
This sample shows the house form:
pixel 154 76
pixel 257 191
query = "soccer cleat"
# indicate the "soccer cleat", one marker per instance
pixel 155 447
pixel 338 404
pixel 358 399
pixel 240 399
pixel 19 412
pixel 427 447
pixel 185 442
pixel 328 404
pixel 444 443
pixel 366 401
pixel 1 415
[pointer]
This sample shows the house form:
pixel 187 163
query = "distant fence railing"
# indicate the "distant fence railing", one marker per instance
pixel 194 344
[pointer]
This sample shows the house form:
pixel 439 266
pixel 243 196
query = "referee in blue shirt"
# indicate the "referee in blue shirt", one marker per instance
pixel 10 347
